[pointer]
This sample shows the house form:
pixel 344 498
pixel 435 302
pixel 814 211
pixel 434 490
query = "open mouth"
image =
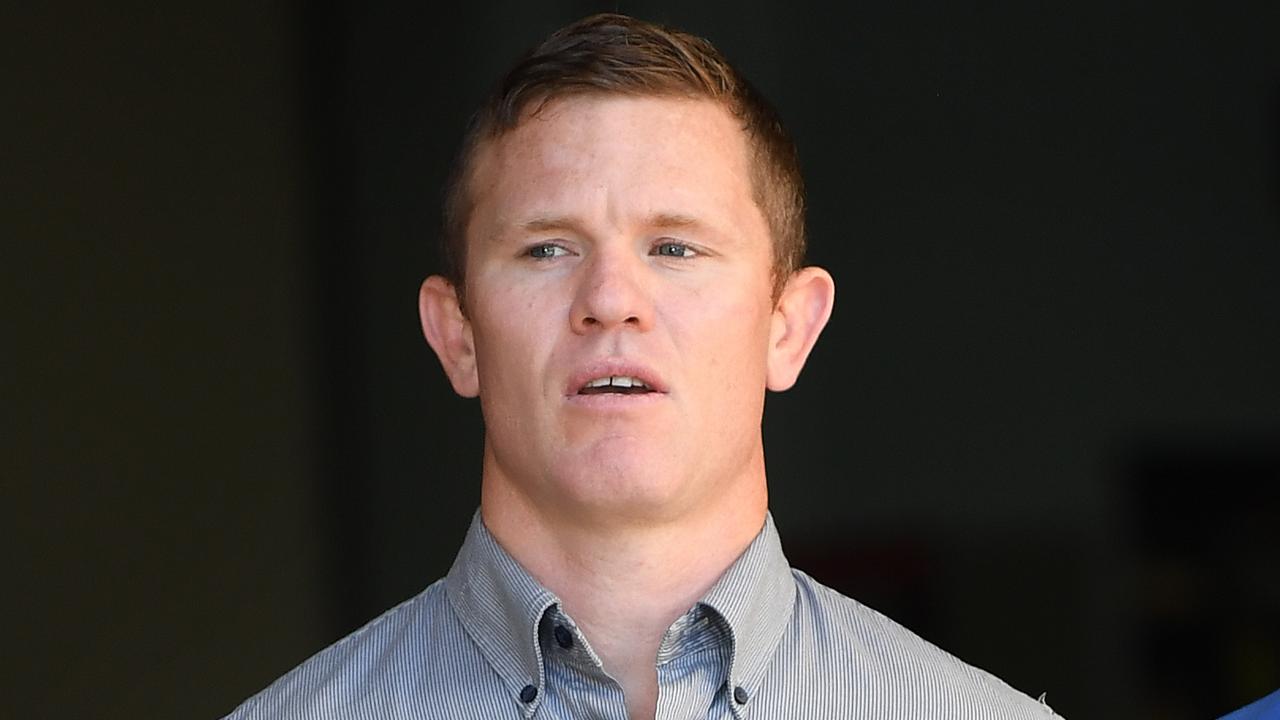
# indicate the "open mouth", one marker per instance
pixel 616 384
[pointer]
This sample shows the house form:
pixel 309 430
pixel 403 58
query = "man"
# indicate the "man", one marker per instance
pixel 624 234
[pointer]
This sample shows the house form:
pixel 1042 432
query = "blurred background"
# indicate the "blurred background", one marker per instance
pixel 1042 430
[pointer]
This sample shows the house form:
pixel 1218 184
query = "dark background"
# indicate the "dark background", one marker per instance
pixel 1042 429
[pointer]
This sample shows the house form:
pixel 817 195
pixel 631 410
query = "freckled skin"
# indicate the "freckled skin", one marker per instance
pixel 607 166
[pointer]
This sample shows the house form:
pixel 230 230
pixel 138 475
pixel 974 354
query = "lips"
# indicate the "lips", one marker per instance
pixel 614 377
pixel 622 384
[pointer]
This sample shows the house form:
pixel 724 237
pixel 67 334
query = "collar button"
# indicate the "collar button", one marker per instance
pixel 564 638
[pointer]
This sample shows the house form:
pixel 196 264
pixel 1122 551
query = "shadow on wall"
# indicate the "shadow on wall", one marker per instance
pixel 1193 608
pixel 1206 530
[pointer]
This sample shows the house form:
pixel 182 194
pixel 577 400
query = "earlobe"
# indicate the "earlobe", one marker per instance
pixel 800 315
pixel 449 333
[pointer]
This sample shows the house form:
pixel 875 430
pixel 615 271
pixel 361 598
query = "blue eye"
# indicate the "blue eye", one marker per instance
pixel 674 249
pixel 545 250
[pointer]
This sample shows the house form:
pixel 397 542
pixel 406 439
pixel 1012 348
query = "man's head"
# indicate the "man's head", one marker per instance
pixel 619 55
pixel 624 314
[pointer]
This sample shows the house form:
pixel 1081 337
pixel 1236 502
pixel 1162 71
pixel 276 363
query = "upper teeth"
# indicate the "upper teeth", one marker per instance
pixel 625 381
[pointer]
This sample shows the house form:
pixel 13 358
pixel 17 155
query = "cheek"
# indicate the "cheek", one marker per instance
pixel 726 338
pixel 510 335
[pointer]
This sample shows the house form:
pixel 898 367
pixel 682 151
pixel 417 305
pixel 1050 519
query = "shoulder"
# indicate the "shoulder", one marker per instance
pixel 392 667
pixel 883 668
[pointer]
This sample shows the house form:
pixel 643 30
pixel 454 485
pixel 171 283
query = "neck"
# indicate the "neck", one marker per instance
pixel 625 583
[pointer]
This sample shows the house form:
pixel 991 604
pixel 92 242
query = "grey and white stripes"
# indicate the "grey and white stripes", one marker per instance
pixel 765 642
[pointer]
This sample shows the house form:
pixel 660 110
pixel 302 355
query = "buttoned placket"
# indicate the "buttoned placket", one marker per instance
pixel 577 683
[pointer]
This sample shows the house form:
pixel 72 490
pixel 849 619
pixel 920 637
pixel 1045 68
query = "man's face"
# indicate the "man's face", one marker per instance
pixel 616 237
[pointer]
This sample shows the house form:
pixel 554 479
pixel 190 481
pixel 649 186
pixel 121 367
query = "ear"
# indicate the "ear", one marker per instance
pixel 449 333
pixel 799 316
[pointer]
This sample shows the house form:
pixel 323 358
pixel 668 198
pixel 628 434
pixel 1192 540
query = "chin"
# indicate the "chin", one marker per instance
pixel 625 490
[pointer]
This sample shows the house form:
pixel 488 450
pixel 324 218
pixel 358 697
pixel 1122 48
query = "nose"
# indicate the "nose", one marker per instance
pixel 613 291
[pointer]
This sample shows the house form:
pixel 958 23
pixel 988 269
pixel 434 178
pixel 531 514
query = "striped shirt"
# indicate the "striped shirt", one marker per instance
pixel 766 641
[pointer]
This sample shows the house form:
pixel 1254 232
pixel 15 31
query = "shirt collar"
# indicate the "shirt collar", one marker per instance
pixel 501 607
pixel 755 597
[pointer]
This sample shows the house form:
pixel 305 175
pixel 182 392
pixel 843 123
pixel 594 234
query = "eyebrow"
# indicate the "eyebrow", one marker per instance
pixel 670 220
pixel 548 224
pixel 662 220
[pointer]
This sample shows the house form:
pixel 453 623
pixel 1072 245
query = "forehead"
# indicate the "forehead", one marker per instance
pixel 616 156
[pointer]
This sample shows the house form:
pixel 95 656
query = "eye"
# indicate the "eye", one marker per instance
pixel 544 251
pixel 673 249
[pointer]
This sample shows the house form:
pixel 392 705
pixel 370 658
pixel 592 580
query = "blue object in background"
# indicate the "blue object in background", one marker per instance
pixel 1268 708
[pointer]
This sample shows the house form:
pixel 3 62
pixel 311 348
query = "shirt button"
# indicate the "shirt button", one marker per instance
pixel 528 694
pixel 564 638
pixel 740 695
